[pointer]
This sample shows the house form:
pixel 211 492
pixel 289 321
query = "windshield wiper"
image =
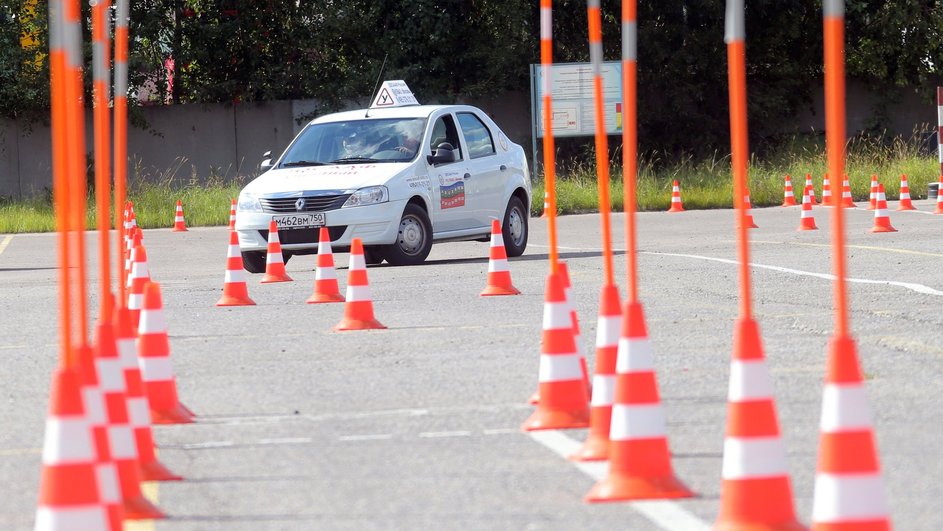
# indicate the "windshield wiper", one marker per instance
pixel 353 160
pixel 298 163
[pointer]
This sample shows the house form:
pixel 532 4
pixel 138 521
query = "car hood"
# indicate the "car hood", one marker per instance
pixel 347 177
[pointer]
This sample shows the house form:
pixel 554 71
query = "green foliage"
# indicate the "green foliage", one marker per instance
pixel 24 65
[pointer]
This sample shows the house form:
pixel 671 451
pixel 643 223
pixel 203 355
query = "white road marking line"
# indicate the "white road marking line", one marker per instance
pixel 6 241
pixel 919 288
pixel 374 437
pixel 436 434
pixel 865 247
pixel 666 515
pixel 501 431
pixel 208 444
pixel 287 440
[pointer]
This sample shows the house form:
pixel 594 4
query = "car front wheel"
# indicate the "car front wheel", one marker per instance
pixel 253 261
pixel 514 230
pixel 413 240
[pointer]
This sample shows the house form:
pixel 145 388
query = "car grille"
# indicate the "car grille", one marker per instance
pixel 309 235
pixel 313 203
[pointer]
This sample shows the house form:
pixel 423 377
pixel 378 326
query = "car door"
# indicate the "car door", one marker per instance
pixel 486 182
pixel 451 208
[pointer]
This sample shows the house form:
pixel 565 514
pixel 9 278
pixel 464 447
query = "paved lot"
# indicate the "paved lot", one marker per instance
pixel 416 427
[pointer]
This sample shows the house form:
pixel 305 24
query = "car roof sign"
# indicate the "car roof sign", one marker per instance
pixel 394 93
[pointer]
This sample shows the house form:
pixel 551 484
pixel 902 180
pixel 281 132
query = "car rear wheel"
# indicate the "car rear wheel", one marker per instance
pixel 514 230
pixel 414 240
pixel 253 261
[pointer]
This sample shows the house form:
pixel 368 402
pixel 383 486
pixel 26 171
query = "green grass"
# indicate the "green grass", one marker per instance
pixel 204 204
pixel 708 183
pixel 704 184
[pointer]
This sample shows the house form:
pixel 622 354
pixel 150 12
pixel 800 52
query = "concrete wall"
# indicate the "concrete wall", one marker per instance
pixel 197 141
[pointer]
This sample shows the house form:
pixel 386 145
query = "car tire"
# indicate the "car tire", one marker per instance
pixel 373 255
pixel 514 230
pixel 414 239
pixel 253 261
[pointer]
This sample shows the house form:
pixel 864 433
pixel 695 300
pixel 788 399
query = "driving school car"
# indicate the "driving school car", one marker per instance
pixel 398 175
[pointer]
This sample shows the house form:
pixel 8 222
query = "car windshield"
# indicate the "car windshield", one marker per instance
pixel 356 142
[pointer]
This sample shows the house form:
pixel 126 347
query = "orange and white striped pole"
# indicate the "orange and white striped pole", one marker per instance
pixel 756 491
pixel 101 85
pixel 546 64
pixel 849 490
pixel 120 142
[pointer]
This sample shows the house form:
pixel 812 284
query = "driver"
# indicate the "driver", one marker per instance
pixel 410 134
pixel 354 145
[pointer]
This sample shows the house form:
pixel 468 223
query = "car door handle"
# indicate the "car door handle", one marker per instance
pixel 467 176
pixel 503 168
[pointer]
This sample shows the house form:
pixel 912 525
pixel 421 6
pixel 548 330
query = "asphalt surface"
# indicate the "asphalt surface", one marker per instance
pixel 417 426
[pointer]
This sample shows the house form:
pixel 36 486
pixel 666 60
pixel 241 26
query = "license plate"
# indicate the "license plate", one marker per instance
pixel 299 221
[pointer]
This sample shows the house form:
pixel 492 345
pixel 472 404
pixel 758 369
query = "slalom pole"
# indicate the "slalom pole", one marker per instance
pixel 122 18
pixel 849 487
pixel 546 63
pixel 602 145
pixel 60 175
pixel 756 490
pixel 78 189
pixel 102 134
pixel 630 139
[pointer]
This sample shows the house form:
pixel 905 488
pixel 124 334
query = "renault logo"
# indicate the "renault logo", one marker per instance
pixel 300 204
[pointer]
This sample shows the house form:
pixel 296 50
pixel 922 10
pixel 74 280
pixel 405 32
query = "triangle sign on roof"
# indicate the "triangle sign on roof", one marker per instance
pixel 394 94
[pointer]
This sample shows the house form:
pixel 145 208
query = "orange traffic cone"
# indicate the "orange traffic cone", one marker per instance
pixel 609 324
pixel 882 221
pixel 846 199
pixel 325 276
pixel 826 191
pixel 232 214
pixel 807 219
pixel 789 198
pixel 873 197
pixel 358 310
pixel 747 207
pixel 119 430
pixel 499 275
pixel 138 410
pixel 562 388
pixel 139 277
pixel 274 262
pixel 179 224
pixel 235 290
pixel 157 372
pixel 676 205
pixel 68 486
pixel 546 204
pixel 905 202
pixel 939 198
pixel 808 182
pixel 849 489
pixel 134 239
pixel 639 458
pixel 755 491
pixel 93 403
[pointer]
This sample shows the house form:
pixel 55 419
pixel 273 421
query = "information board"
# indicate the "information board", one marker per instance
pixel 571 85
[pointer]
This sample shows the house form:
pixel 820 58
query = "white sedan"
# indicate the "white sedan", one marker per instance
pixel 398 177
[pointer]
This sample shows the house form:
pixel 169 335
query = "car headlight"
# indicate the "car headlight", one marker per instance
pixel 368 196
pixel 248 203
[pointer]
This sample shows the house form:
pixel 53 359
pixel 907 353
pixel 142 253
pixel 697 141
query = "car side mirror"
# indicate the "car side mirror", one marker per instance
pixel 444 153
pixel 266 163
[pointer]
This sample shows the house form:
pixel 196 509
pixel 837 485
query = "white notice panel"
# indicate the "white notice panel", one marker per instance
pixel 571 85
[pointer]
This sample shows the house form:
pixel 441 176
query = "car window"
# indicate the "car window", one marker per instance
pixel 444 131
pixel 477 136
pixel 357 141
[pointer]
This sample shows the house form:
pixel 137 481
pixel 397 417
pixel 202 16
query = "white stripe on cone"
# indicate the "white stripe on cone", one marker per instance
pixel 152 322
pixel 108 489
pixel 357 293
pixel 638 356
pixel 604 390
pixel 156 369
pixel 560 368
pixel 845 408
pixel 91 517
pixel 844 498
pixel 121 441
pixel 497 265
pixel 754 457
pixel 633 421
pixel 749 380
pixel 72 429
pixel 556 316
pixel 139 412
pixel 608 329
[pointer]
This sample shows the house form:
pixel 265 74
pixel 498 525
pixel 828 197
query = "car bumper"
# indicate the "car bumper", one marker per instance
pixel 373 224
